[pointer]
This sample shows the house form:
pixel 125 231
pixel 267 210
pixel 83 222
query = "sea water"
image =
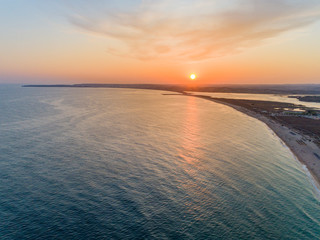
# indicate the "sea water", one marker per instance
pixel 136 164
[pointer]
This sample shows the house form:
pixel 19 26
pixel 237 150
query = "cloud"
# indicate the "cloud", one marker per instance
pixel 194 29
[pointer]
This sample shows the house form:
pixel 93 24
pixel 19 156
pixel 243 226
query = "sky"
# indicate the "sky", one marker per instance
pixel 160 41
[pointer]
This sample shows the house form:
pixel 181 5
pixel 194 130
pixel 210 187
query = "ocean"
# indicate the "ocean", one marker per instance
pixel 83 163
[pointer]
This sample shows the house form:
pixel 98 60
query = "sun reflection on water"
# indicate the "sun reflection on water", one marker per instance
pixel 190 136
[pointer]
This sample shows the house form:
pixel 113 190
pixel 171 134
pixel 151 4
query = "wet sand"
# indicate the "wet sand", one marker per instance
pixel 303 146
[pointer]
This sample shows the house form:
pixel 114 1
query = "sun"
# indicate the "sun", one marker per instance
pixel 193 76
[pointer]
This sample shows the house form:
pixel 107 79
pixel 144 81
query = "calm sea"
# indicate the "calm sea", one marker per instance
pixel 135 164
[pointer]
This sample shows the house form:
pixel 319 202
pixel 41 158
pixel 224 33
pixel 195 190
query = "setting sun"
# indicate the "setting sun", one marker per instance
pixel 193 76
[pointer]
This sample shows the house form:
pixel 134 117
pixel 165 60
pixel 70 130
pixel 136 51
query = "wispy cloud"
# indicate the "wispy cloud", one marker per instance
pixel 194 29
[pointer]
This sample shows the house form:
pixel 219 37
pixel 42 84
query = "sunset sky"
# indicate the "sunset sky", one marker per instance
pixel 159 41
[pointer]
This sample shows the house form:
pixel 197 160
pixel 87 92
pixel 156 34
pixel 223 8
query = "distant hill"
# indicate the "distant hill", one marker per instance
pixel 261 89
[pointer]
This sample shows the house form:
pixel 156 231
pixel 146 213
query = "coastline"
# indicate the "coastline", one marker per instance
pixel 301 137
pixel 301 146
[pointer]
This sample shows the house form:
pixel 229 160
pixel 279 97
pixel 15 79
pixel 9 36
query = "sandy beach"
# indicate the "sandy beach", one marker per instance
pixel 301 145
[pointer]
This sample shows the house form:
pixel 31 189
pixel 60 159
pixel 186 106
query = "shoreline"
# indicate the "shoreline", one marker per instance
pixel 300 145
pixel 301 137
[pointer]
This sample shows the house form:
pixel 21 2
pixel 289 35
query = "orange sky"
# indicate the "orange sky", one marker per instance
pixel 242 41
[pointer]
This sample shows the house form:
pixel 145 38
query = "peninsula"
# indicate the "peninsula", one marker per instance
pixel 300 131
